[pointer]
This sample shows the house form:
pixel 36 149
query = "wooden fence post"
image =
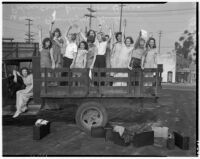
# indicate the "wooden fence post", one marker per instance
pixel 36 79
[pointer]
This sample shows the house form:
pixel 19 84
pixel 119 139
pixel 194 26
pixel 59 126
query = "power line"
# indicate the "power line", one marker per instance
pixel 90 15
pixel 29 34
pixel 154 11
pixel 160 34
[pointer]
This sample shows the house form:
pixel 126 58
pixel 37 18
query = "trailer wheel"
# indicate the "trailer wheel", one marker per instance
pixel 91 114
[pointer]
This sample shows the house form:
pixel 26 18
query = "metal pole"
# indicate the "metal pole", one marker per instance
pixel 90 21
pixel 160 33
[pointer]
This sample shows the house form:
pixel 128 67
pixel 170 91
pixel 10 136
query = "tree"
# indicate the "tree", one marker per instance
pixel 186 43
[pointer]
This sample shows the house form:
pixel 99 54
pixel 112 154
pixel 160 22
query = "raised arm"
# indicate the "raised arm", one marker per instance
pixel 143 59
pixel 82 35
pixel 50 29
pixel 123 30
pixel 40 37
pixel 110 34
pixel 67 33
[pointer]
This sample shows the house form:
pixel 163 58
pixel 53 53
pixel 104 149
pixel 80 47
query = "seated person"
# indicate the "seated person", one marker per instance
pixel 13 87
pixel 22 96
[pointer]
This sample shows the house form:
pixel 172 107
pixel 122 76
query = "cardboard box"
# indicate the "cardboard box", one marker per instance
pixel 41 131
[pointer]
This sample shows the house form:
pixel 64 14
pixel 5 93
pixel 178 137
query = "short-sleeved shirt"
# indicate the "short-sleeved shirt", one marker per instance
pixel 70 49
pixel 101 46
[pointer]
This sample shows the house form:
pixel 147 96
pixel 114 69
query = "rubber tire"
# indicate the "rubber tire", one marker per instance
pixel 89 105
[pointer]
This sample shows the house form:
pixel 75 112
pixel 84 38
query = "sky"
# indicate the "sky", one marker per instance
pixel 171 18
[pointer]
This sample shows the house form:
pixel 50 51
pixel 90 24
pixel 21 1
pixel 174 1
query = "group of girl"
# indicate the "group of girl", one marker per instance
pixel 96 50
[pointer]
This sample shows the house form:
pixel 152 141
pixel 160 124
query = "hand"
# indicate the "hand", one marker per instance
pixel 53 66
pixel 142 67
pixel 130 68
pixel 70 27
pixel 52 22
pixel 18 73
pixel 14 72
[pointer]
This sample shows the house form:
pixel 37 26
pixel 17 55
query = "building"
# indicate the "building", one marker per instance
pixel 168 61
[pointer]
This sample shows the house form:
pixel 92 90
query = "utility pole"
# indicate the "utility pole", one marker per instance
pixel 120 23
pixel 29 34
pixel 90 15
pixel 160 34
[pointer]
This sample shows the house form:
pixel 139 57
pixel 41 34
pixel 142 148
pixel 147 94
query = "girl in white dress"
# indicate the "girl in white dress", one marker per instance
pixel 122 57
pixel 22 96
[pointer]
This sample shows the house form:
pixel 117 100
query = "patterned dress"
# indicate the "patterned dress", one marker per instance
pixel 45 59
pixel 79 59
pixel 150 62
pixel 90 55
pixel 57 52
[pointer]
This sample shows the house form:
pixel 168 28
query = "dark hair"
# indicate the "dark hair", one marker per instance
pixel 102 36
pixel 147 45
pixel 90 39
pixel 117 34
pixel 130 38
pixel 88 33
pixel 24 68
pixel 57 30
pixel 44 41
pixel 83 42
pixel 107 36
pixel 74 34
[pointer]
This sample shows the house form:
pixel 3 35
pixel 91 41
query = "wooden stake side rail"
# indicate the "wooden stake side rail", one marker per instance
pixel 79 84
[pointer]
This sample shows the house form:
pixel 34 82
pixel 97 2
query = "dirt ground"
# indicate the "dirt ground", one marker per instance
pixel 176 109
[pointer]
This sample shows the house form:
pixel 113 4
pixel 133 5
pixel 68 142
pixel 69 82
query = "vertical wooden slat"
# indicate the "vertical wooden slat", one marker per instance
pixel 141 82
pixel 157 76
pixel 45 80
pixel 87 81
pixel 17 50
pixel 69 80
pixel 129 83
pixel 36 79
pixel 99 81
pixel 35 50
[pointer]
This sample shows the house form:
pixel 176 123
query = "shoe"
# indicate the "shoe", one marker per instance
pixel 17 113
pixel 24 109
